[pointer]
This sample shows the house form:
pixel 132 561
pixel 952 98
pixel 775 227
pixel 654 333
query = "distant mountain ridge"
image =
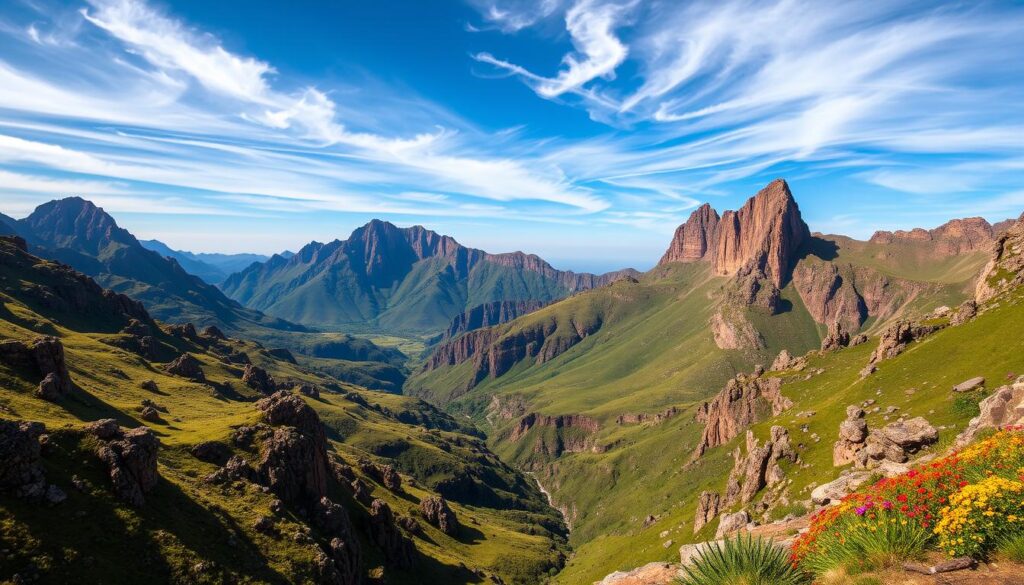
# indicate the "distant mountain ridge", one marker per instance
pixel 211 267
pixel 410 280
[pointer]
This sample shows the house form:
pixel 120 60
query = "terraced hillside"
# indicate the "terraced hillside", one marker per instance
pixel 599 394
pixel 221 479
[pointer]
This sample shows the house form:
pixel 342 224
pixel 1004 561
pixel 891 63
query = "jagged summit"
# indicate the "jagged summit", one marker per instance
pixel 401 279
pixel 77 224
pixel 762 236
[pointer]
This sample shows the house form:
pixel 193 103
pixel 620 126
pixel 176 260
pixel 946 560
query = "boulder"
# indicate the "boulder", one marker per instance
pixel 213 332
pixel 657 573
pixel 689 552
pixel 186 366
pixel 149 414
pixel 44 355
pixel 131 458
pixel 1004 407
pixel 258 379
pixel 967 311
pixel 837 489
pixel 435 509
pixel 731 523
pixel 853 433
pixel 211 452
pixel 969 385
pixel 897 440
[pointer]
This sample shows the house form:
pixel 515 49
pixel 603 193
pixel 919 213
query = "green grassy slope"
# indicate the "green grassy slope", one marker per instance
pixel 919 382
pixel 509 531
pixel 653 351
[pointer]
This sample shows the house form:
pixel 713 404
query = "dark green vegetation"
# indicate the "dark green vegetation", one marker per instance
pixel 405 281
pixel 743 560
pixel 191 530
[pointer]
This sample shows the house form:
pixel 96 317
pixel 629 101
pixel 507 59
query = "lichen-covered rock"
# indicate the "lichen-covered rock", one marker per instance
pixel 186 366
pixel 131 458
pixel 437 512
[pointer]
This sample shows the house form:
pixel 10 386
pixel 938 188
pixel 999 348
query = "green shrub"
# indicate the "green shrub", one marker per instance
pixel 967 405
pixel 743 560
pixel 1011 548
pixel 867 542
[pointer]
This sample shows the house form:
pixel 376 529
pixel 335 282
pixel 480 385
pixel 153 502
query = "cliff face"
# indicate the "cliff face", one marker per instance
pixel 736 407
pixel 958 236
pixel 1005 268
pixel 761 238
pixel 488 315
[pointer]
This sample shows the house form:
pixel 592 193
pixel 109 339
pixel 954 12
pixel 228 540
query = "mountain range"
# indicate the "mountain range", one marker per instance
pixel 409 281
pixel 650 409
pixel 213 268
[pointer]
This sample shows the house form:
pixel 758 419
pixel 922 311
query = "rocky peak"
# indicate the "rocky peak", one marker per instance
pixel 759 238
pixel 76 223
pixel 696 238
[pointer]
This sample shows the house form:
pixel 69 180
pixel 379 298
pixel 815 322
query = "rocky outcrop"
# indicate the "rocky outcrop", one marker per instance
pixel 44 357
pixel 970 385
pixel 785 361
pixel 383 474
pixel 650 574
pixel 837 489
pixel 853 434
pixel 896 337
pixel 1005 268
pixel 707 509
pixel 736 407
pixel 494 351
pixel 489 315
pixel 573 433
pixel 258 379
pixel 436 511
pixel 731 330
pixel 761 238
pixel 759 468
pixel 836 338
pixel 732 523
pixel 21 469
pixel 1005 407
pixel 344 554
pixel 186 366
pixel 293 458
pixel 894 442
pixel 643 417
pixel 967 311
pixel 953 238
pixel 130 457
pixel 386 534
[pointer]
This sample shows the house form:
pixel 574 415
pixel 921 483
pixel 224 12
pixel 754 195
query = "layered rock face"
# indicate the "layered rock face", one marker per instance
pixel 736 407
pixel 493 353
pixel 572 433
pixel 762 237
pixel 955 237
pixel 1005 268
pixel 759 468
pixel 489 315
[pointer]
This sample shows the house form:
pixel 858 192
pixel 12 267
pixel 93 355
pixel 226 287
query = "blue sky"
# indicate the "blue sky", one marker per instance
pixel 581 130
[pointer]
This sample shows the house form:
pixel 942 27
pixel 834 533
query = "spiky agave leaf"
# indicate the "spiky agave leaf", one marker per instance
pixel 743 560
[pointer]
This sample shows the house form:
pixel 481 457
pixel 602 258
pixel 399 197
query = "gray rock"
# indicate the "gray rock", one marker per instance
pixel 731 523
pixel 969 385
